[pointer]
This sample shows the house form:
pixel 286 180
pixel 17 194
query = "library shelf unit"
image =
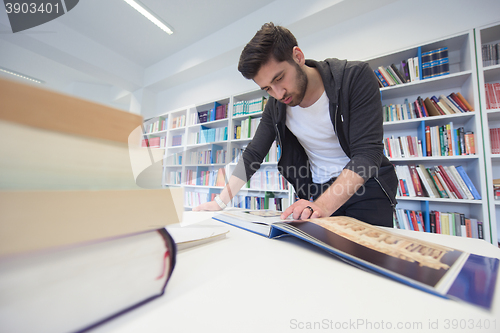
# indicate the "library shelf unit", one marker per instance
pixel 489 73
pixel 197 153
pixel 462 77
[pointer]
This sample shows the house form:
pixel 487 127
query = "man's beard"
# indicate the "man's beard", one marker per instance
pixel 301 79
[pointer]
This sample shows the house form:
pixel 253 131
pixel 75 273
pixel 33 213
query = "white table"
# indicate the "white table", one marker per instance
pixel 248 283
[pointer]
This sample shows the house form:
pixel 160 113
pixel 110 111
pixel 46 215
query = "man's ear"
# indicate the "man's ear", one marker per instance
pixel 298 56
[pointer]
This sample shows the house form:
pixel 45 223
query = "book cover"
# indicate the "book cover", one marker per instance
pixel 75 288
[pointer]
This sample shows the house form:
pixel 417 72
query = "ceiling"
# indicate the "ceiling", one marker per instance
pixel 108 43
pixel 123 30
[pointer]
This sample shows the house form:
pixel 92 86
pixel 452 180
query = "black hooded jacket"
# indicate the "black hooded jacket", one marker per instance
pixel 356 115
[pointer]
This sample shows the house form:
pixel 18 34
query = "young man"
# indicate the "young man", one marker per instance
pixel 327 118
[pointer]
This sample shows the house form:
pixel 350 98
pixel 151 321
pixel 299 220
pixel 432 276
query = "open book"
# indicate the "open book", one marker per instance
pixel 434 268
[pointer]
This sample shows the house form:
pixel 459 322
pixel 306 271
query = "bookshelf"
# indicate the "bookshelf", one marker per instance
pixel 201 152
pixel 489 73
pixel 461 77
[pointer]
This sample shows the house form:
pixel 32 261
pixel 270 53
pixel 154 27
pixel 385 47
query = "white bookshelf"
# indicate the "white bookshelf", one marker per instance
pixel 462 78
pixel 490 117
pixel 176 173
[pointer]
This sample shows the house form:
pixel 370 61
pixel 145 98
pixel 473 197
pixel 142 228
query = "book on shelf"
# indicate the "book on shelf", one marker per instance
pixel 495 140
pixel 177 140
pixel 156 126
pixel 77 287
pixel 435 182
pixel 427 107
pixel 179 121
pixel 209 135
pixel 496 188
pixel 490 54
pixel 217 112
pixel 435 63
pixel 492 93
pixel 249 106
pixel 430 267
pixel 258 202
pixel 447 223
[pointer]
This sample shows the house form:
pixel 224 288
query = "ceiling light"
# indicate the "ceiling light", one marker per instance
pixel 26 77
pixel 149 15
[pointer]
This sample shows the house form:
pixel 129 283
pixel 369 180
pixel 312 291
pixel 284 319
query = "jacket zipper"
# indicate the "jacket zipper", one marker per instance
pixel 383 189
pixel 279 142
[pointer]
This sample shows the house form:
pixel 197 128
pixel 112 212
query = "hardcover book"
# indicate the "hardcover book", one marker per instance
pixel 433 268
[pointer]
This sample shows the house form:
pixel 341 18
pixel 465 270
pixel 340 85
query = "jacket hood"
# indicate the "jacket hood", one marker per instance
pixel 332 73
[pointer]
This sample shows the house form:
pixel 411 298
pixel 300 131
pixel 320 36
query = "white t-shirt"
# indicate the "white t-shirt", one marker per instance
pixel 314 129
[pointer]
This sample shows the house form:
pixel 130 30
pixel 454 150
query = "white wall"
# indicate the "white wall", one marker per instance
pixel 396 26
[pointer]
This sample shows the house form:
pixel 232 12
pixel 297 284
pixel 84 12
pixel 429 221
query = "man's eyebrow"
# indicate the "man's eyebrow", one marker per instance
pixel 274 78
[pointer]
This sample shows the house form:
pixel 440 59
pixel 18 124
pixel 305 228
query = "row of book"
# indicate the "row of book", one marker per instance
pixel 270 180
pixel 156 142
pixel 496 188
pixel 455 224
pixel 495 140
pixel 268 201
pixel 492 92
pixel 207 157
pixel 218 112
pixel 206 177
pixel 176 158
pixel 174 178
pixel 208 135
pixel 430 106
pixel 491 54
pixel 272 156
pixel 440 181
pixel 427 65
pixel 156 126
pixel 446 141
pixel 247 128
pixel 402 147
pixel 179 121
pixel 439 141
pixel 177 140
pixel 248 107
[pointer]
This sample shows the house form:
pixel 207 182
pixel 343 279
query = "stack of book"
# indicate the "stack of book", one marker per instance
pixel 492 92
pixel 83 213
pixel 435 182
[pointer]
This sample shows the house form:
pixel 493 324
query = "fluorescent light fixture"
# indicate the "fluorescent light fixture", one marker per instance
pixel 149 15
pixel 26 77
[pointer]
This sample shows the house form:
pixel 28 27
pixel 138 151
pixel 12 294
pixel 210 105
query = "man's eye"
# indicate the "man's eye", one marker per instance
pixel 280 78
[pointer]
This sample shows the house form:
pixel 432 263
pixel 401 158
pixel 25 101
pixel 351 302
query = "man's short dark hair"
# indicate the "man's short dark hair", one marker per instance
pixel 270 40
